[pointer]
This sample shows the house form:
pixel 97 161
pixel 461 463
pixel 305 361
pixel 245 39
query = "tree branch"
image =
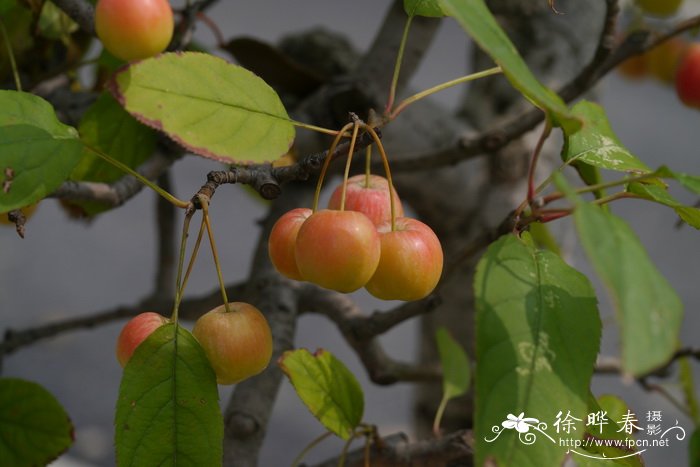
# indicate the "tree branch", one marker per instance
pixel 190 309
pixel 512 127
pixel 119 192
pixel 248 410
pixel 397 451
pixel 340 309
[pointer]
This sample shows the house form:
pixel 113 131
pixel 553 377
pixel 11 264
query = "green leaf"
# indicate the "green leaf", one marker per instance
pixel 107 127
pixel 605 427
pixel 327 387
pixel 34 428
pixel 689 182
pixel 23 108
pixel 7 5
pixel 429 8
pixel 659 194
pixel 33 164
pixel 537 336
pixel 685 376
pixel 476 19
pixel 648 309
pixel 168 412
pixel 211 107
pixel 543 238
pixel 37 152
pixel 456 371
pixel 694 449
pixel 596 144
pixel 54 23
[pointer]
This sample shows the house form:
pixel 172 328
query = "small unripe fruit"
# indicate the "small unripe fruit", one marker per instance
pixel 135 332
pixel 238 343
pixel 338 250
pixel 134 29
pixel 688 77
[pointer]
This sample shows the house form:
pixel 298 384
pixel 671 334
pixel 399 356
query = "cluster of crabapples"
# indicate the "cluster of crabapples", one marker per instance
pixel 675 61
pixel 359 244
pixel 237 342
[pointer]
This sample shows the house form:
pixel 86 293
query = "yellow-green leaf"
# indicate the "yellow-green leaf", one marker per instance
pixel 327 387
pixel 213 108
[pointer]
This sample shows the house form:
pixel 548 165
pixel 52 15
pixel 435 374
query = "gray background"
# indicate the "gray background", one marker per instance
pixel 67 269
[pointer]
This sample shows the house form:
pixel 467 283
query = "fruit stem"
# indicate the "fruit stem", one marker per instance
pixel 193 256
pixel 397 66
pixel 326 163
pixel 13 63
pixel 315 442
pixel 368 165
pixel 346 448
pixel 464 79
pixel 535 158
pixel 183 245
pixel 438 415
pixel 125 168
pixel 597 187
pixel 351 149
pixel 205 211
pixel 385 161
pixel 319 129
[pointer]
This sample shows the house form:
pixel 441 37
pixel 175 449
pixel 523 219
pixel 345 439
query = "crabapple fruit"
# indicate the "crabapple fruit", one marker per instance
pixel 688 77
pixel 134 29
pixel 282 239
pixel 135 332
pixel 368 195
pixel 238 343
pixel 338 250
pixel 410 263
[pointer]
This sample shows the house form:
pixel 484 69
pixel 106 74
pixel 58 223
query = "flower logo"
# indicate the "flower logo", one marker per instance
pixel 520 423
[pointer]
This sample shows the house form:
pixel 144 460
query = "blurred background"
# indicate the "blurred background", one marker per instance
pixel 64 269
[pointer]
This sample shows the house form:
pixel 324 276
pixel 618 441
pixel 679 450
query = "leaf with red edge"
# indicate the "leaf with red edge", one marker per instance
pixel 213 108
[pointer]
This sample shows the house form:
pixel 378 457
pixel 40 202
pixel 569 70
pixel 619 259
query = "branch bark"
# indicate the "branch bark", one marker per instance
pixel 398 451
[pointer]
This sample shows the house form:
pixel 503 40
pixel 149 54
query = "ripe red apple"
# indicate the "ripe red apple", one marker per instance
pixel 371 199
pixel 688 77
pixel 660 7
pixel 282 239
pixel 410 264
pixel 238 343
pixel 135 332
pixel 134 29
pixel 338 250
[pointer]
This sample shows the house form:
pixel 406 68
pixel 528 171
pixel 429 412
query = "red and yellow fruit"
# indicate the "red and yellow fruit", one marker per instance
pixel 368 195
pixel 338 250
pixel 410 264
pixel 135 332
pixel 282 241
pixel 688 77
pixel 238 343
pixel 134 29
